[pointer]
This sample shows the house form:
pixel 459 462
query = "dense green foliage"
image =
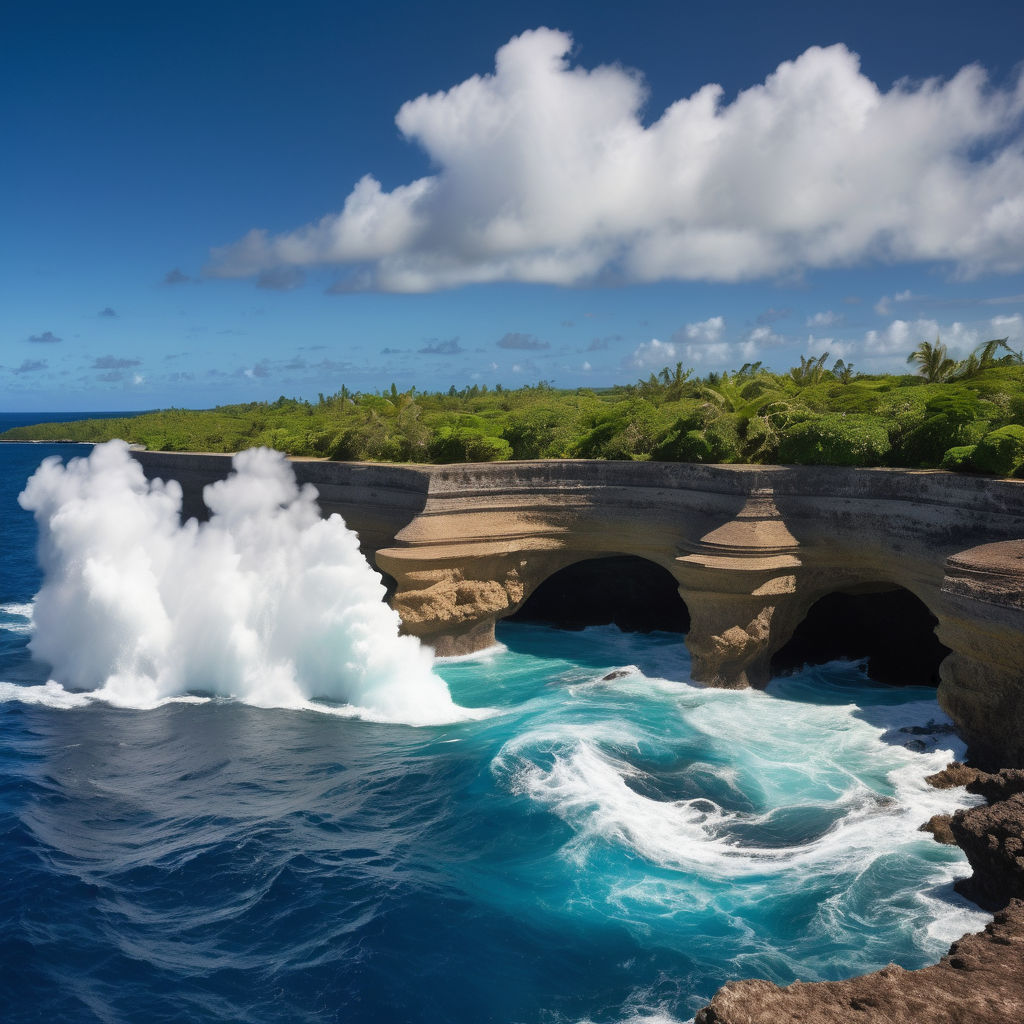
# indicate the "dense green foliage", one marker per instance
pixel 966 416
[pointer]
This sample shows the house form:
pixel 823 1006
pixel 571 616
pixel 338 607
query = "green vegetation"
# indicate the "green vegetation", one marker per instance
pixel 966 416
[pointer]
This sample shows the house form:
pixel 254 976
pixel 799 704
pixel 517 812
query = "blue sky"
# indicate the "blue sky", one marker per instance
pixel 220 202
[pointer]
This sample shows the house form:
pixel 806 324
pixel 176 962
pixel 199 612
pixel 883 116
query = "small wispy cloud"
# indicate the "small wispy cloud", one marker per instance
pixel 31 366
pixel 450 347
pixel 773 315
pixel 526 342
pixel 883 307
pixel 652 355
pixel 46 338
pixel 281 279
pixel 114 363
pixel 826 318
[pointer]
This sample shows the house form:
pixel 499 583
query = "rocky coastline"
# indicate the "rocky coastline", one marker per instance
pixel 752 550
pixel 979 981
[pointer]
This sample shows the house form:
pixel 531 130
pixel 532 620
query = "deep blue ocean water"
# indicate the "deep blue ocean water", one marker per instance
pixel 596 850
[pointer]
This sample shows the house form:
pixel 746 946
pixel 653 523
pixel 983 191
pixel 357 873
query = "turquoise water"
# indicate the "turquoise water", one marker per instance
pixel 582 849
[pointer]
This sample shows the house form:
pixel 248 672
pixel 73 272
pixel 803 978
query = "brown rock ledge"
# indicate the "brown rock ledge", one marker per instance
pixel 980 980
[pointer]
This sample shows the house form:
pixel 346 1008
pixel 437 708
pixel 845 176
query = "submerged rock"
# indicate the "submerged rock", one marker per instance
pixel 619 673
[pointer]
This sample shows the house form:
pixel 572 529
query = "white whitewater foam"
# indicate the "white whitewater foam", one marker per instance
pixel 22 613
pixel 266 602
pixel 788 747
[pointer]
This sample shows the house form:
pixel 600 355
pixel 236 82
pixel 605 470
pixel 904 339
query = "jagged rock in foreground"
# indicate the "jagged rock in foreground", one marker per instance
pixel 980 981
pixel 992 786
pixel 993 839
pixel 938 826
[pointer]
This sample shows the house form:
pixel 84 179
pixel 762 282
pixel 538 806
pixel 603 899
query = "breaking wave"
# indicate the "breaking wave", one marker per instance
pixel 265 602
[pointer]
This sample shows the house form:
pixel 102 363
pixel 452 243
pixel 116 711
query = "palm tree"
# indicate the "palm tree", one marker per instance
pixel 933 362
pixel 984 357
pixel 843 372
pixel 810 371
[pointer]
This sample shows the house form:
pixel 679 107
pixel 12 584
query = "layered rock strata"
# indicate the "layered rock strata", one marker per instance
pixel 751 548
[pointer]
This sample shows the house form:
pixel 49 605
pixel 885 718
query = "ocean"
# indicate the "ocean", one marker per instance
pixel 230 792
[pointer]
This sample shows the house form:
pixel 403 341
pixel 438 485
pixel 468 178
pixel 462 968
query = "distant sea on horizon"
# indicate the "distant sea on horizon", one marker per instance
pixel 26 419
pixel 588 836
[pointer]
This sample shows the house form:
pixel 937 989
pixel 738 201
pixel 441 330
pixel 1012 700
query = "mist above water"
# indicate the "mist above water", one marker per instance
pixel 267 601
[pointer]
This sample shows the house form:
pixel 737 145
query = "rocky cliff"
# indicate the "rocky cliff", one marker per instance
pixel 981 978
pixel 752 550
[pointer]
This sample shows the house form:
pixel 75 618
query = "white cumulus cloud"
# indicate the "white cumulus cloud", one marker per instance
pixel 653 355
pixel 1010 327
pixel 547 173
pixel 709 330
pixel 901 337
pixel 712 355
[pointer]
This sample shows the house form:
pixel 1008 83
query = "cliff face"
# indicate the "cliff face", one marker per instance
pixel 751 548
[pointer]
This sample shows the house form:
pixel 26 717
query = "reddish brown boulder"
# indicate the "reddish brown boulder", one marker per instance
pixel 993 839
pixel 992 786
pixel 938 825
pixel 955 774
pixel 980 981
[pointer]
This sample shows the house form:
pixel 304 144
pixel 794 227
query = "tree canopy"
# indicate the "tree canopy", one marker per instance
pixel 966 416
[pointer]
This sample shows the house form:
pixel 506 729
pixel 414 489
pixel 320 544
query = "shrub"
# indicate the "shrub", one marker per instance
pixel 835 440
pixel 539 432
pixel 926 444
pixel 959 459
pixel 1001 451
pixel 716 442
pixel 626 431
pixel 461 444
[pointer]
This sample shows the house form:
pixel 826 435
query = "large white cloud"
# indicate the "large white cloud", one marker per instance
pixel 546 173
pixel 1009 327
pixel 901 337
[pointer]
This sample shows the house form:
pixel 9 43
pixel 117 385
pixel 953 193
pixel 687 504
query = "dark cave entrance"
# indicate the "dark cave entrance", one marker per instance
pixel 390 585
pixel 630 592
pixel 888 625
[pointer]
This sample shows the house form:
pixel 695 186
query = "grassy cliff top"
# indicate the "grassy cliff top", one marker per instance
pixel 969 417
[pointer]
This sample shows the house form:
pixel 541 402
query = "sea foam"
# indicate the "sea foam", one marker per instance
pixel 266 602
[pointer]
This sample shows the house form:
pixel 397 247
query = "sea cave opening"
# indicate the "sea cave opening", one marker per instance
pixel 632 593
pixel 883 623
